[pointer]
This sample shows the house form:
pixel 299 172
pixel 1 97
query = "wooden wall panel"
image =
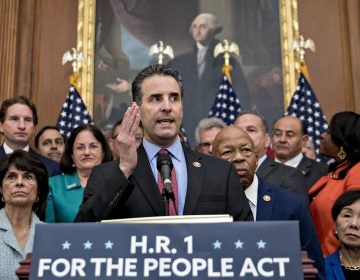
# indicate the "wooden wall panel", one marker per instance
pixel 8 41
pixel 332 66
pixel 55 32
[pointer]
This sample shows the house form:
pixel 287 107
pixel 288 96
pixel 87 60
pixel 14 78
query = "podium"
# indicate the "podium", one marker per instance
pixel 245 250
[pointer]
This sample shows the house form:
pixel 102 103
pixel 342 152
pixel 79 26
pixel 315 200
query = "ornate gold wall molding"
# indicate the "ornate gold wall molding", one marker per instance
pixel 289 31
pixel 85 44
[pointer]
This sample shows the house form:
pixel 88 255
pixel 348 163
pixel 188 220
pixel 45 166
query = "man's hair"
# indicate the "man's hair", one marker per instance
pixel 206 124
pixel 18 100
pixel 41 132
pixel 153 70
pixel 303 126
pixel 261 117
pixel 216 27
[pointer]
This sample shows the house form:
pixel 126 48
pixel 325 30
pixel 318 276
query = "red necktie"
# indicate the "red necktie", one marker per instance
pixel 173 205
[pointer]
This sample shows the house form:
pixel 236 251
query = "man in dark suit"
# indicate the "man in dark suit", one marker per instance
pixel 267 202
pixel 201 72
pixel 18 118
pixel 275 173
pixel 288 138
pixel 128 187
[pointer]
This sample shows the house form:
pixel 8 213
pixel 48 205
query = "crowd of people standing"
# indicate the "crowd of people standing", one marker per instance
pixel 88 178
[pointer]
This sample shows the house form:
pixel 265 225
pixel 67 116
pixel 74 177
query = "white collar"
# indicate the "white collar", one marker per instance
pixel 8 150
pixel 293 162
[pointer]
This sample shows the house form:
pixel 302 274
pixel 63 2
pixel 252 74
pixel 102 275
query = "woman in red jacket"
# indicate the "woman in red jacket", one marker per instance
pixel 340 142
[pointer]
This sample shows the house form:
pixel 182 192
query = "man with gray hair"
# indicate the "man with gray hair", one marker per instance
pixel 202 75
pixel 206 132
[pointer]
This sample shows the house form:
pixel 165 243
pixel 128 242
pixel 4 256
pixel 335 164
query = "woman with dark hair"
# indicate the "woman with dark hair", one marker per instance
pixel 345 262
pixel 23 192
pixel 341 142
pixel 85 148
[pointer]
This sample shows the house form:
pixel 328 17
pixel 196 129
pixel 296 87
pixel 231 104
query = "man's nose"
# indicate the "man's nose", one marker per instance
pixel 21 123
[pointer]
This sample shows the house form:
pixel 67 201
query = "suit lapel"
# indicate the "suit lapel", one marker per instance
pixel 145 181
pixel 265 168
pixel 196 171
pixel 305 165
pixel 265 202
pixel 2 151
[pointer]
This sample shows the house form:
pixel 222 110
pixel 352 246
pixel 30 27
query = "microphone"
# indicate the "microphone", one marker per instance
pixel 164 165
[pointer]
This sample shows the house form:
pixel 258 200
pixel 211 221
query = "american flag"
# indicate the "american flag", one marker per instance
pixel 73 113
pixel 226 105
pixel 305 106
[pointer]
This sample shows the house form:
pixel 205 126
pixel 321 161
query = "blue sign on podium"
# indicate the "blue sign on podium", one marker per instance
pixel 238 250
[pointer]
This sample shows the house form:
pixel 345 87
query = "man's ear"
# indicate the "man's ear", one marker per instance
pixel 267 140
pixel 304 139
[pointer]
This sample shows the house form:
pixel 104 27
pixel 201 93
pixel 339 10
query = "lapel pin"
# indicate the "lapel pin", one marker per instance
pixel 197 164
pixel 266 198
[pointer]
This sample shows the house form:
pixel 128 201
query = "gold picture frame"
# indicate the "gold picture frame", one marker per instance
pixel 289 31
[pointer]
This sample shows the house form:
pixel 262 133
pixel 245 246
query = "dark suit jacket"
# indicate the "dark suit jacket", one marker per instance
pixel 285 205
pixel 53 167
pixel 312 170
pixel 333 267
pixel 283 176
pixel 201 93
pixel 213 188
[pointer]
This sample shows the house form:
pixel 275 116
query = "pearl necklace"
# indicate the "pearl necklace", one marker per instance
pixel 349 267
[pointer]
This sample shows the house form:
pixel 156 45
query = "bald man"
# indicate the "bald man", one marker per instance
pixel 288 139
pixel 286 177
pixel 202 74
pixel 267 202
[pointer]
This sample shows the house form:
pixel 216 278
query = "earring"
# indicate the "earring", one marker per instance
pixel 2 199
pixel 342 154
pixel 37 199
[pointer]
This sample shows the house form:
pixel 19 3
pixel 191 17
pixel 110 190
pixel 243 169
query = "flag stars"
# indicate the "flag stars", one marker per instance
pixel 239 244
pixel 217 245
pixel 109 245
pixel 66 245
pixel 261 244
pixel 87 245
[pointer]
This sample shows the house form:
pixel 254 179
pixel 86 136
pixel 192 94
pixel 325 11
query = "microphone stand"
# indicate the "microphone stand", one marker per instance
pixel 166 202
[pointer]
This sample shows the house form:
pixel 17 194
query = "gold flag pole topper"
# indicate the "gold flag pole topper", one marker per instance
pixel 161 50
pixel 300 46
pixel 227 48
pixel 75 58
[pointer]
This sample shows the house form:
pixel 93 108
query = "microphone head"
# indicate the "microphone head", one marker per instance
pixel 163 159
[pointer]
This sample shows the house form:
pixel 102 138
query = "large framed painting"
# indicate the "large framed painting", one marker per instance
pixel 116 36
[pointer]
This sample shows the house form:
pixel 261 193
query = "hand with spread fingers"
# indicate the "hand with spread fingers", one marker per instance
pixel 126 140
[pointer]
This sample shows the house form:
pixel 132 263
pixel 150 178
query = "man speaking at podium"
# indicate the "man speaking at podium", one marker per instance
pixel 132 186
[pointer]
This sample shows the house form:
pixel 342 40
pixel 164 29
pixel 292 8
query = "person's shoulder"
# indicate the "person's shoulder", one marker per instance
pixel 283 194
pixel 206 159
pixel 315 164
pixel 107 165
